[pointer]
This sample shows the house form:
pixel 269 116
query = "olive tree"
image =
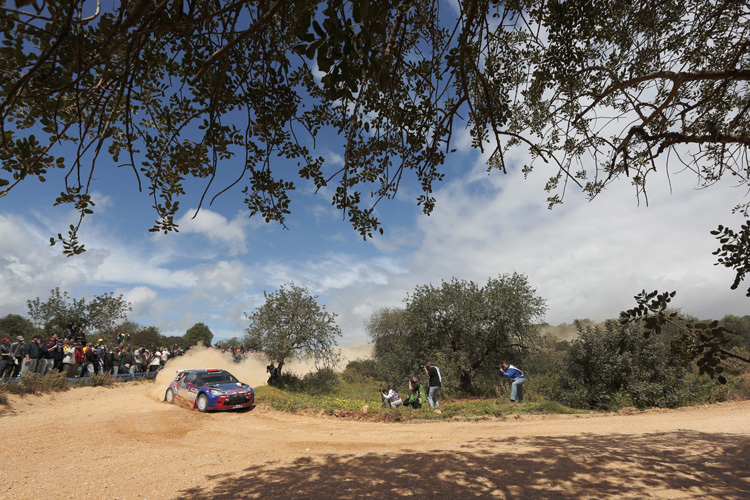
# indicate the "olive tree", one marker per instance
pixel 291 323
pixel 465 327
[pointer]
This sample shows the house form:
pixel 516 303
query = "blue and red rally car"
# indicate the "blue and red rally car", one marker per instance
pixel 210 389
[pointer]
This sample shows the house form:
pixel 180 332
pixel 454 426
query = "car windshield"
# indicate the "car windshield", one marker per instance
pixel 218 378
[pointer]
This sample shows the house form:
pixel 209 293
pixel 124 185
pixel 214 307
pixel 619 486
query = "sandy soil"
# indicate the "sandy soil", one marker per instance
pixel 122 443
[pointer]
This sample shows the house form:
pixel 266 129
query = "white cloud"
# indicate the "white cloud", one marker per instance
pixel 216 228
pixel 225 277
pixel 141 299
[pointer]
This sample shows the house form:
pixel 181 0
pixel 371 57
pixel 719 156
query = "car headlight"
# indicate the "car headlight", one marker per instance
pixel 217 392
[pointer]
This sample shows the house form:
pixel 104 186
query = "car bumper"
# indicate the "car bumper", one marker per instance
pixel 232 401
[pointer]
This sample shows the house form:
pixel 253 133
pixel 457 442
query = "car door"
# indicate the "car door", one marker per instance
pixel 190 390
pixel 179 384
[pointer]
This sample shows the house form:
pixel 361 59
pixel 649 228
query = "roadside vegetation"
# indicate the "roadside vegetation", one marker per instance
pixel 653 356
pixel 34 383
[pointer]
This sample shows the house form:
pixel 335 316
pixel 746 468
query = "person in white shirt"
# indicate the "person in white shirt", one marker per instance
pixel 391 398
pixel 155 362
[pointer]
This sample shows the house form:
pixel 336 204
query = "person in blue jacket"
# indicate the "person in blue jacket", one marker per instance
pixel 517 378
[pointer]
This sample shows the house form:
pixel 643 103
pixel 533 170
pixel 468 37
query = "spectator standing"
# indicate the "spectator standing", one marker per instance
pixel 32 353
pixel 435 383
pixel 57 355
pixel 101 351
pixel 155 362
pixel 46 356
pixel 107 362
pixel 16 353
pixel 6 360
pixel 116 357
pixel 128 360
pixel 164 356
pixel 79 359
pixel 517 378
pixel 88 367
pixel 69 360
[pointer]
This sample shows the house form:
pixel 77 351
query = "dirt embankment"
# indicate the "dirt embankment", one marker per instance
pixel 122 443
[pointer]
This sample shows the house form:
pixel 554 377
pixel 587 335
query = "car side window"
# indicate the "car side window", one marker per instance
pixel 191 378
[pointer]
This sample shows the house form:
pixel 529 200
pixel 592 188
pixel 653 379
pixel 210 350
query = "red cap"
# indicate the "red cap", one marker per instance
pixel 5 339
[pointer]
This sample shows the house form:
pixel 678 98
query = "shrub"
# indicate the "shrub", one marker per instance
pixel 290 381
pixel 322 381
pixel 99 380
pixel 604 363
pixel 54 381
pixel 31 383
pixel 360 370
pixel 740 387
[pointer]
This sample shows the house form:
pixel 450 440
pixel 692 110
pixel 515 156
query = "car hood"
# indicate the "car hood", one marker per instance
pixel 230 387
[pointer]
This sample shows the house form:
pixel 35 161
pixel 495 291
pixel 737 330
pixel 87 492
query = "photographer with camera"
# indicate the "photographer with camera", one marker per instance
pixel 435 382
pixel 391 399
pixel 517 378
pixel 417 396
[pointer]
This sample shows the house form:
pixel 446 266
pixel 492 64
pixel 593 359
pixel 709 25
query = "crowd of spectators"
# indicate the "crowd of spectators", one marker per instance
pixel 77 358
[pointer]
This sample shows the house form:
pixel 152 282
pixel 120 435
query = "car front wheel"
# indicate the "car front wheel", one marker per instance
pixel 169 396
pixel 202 402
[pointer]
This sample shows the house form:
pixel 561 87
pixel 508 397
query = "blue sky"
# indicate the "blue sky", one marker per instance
pixel 587 259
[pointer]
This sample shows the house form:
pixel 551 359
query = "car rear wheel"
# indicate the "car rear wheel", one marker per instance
pixel 202 402
pixel 169 396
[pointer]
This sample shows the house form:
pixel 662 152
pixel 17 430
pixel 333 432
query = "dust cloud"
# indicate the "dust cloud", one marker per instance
pixel 251 370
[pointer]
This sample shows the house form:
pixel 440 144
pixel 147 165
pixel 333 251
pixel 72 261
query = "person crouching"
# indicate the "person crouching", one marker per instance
pixel 391 398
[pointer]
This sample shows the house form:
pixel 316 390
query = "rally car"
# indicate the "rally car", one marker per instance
pixel 210 389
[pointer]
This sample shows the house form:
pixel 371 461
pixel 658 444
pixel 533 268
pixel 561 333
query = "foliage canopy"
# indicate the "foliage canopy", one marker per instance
pixel 199 332
pixel 60 312
pixel 461 326
pixel 218 92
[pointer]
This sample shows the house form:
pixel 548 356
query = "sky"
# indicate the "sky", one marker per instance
pixel 587 259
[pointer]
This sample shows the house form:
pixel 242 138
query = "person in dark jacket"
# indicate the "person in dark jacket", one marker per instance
pixel 32 353
pixel 46 360
pixel 57 355
pixel 435 382
pixel 6 360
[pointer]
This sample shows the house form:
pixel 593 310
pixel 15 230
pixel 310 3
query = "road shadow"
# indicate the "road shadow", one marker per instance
pixel 664 465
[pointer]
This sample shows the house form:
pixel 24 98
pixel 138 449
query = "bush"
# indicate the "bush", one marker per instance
pixel 289 381
pixel 603 364
pixel 99 380
pixel 54 381
pixel 360 370
pixel 740 387
pixel 322 381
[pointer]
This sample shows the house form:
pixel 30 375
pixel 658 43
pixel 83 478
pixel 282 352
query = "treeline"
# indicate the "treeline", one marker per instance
pixel 101 317
pixel 467 330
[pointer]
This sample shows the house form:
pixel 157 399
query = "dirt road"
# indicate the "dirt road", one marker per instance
pixel 121 443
